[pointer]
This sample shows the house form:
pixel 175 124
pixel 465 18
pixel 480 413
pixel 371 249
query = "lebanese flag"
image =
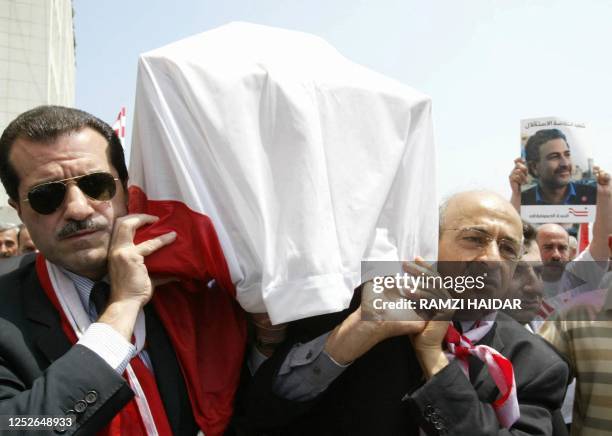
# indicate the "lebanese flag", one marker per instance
pixel 281 165
pixel 205 324
pixel 583 237
pixel 119 125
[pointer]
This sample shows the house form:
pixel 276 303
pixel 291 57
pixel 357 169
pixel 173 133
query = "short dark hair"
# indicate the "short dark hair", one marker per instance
pixel 532 147
pixel 47 123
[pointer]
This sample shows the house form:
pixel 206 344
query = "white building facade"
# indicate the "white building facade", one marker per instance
pixel 37 50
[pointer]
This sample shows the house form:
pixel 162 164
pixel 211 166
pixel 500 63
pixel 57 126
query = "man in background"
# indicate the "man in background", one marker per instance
pixel 583 334
pixel 560 273
pixel 553 243
pixel 26 245
pixel 8 240
pixel 573 247
pixel 526 283
pixel 25 252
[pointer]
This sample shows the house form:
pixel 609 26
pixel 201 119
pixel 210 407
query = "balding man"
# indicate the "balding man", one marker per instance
pixel 553 241
pixel 565 279
pixel 8 240
pixel 337 374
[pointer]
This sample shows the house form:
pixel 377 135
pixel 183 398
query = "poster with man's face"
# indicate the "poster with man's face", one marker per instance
pixel 561 186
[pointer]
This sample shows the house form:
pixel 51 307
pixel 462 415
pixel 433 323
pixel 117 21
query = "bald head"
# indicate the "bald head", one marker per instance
pixel 489 204
pixel 552 229
pixel 481 236
pixel 553 241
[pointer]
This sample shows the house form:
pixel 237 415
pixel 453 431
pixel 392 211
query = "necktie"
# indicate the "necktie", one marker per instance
pixel 99 296
pixel 500 369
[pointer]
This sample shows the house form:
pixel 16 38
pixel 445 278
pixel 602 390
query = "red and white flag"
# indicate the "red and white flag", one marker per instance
pixel 583 237
pixel 304 162
pixel 119 126
pixel 281 165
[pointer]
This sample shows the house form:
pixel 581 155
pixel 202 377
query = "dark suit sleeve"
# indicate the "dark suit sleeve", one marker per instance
pixel 78 384
pixel 264 408
pixel 448 404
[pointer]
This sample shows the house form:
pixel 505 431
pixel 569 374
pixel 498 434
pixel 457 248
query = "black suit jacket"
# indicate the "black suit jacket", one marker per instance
pixel 12 263
pixel 41 373
pixel 384 392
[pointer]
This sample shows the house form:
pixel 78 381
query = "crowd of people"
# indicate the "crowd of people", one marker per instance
pixel 15 240
pixel 16 246
pixel 83 338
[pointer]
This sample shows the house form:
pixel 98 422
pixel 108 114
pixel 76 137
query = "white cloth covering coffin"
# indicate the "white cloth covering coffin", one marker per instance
pixel 306 162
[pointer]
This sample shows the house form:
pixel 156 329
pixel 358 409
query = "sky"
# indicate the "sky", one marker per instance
pixel 485 63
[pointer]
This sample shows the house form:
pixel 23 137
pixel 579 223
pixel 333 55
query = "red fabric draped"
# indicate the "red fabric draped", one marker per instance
pixel 206 325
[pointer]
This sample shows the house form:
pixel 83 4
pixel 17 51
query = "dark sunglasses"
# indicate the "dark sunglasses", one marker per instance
pixel 46 198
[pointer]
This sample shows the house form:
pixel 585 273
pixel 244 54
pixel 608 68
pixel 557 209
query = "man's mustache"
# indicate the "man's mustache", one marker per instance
pixel 73 227
pixel 562 169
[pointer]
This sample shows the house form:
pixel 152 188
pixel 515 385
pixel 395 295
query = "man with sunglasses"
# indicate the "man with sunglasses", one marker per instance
pixel 73 322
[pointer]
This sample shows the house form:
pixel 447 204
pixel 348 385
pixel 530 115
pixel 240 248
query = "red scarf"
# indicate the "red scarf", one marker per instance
pixel 461 346
pixel 206 326
pixel 128 421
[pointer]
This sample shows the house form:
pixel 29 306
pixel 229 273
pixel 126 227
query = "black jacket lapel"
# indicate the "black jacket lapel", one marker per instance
pixel 44 322
pixel 49 343
pixel 479 374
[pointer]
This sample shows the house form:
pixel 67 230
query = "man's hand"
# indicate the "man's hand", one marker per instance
pixel 267 335
pixel 428 343
pixel 517 178
pixel 602 227
pixel 603 182
pixel 131 286
pixel 354 337
pixel 428 347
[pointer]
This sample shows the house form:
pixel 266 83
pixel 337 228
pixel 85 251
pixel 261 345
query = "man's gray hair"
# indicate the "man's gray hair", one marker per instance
pixel 8 226
pixel 442 213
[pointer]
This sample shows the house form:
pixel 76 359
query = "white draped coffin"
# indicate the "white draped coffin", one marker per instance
pixel 305 162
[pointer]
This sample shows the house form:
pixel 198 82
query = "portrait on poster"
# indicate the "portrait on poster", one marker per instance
pixel 561 186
